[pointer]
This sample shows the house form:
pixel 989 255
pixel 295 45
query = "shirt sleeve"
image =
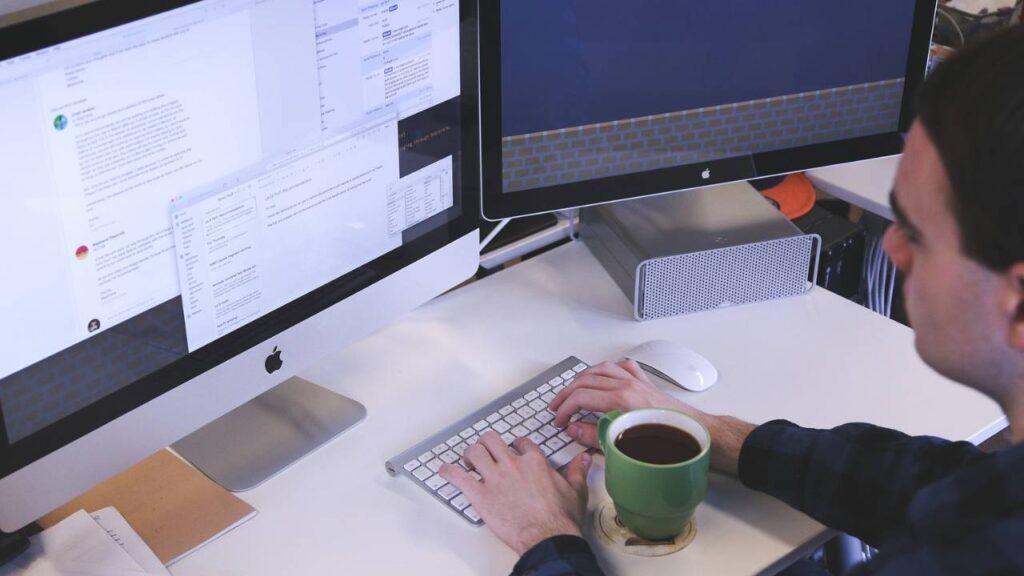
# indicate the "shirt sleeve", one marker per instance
pixel 857 478
pixel 559 556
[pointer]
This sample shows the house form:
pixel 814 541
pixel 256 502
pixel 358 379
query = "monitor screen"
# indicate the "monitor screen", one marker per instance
pixel 183 180
pixel 587 102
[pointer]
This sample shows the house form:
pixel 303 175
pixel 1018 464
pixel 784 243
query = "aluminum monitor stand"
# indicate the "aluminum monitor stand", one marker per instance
pixel 254 442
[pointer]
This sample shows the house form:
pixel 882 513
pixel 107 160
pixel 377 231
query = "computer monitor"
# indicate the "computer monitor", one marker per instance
pixel 589 102
pixel 200 198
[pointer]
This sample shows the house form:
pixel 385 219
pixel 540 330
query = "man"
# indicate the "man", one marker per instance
pixel 930 506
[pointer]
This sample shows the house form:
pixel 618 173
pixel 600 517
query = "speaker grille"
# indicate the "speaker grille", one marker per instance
pixel 726 277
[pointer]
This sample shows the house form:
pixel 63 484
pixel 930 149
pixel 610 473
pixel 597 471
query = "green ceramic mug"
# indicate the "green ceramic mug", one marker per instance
pixel 654 501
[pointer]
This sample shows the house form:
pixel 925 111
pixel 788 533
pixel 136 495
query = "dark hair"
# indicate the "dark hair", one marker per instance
pixel 972 107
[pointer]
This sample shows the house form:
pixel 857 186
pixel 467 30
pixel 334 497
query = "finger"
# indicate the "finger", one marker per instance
pixel 592 381
pixel 609 369
pixel 634 369
pixel 479 458
pixel 461 479
pixel 525 446
pixel 584 433
pixel 495 445
pixel 585 399
pixel 576 473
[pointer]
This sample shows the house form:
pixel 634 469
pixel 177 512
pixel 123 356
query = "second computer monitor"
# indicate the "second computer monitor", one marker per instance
pixel 589 102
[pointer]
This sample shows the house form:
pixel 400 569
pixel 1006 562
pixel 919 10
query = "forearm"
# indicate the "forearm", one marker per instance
pixel 727 437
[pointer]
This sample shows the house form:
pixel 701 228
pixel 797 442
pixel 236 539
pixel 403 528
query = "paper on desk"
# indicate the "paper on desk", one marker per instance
pixel 76 546
pixel 122 533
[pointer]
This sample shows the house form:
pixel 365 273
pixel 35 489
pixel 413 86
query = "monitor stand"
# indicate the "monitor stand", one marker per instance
pixel 245 447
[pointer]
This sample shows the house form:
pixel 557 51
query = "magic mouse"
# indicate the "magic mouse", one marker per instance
pixel 676 364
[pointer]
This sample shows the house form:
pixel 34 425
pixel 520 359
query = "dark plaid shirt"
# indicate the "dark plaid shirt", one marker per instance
pixel 931 506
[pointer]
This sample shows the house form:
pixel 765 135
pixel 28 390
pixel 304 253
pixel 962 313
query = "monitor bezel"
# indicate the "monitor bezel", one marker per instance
pixel 498 205
pixel 29 36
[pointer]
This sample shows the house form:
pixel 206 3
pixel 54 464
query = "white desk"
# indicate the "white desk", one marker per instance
pixel 865 184
pixel 816 359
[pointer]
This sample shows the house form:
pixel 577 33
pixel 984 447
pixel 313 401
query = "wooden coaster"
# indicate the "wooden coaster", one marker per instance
pixel 621 538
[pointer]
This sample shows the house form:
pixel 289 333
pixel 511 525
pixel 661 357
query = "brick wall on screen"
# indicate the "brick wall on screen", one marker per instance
pixel 693 136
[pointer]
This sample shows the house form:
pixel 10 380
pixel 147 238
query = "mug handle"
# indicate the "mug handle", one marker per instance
pixel 602 428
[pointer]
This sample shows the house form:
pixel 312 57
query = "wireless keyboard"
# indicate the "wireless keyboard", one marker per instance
pixel 521 412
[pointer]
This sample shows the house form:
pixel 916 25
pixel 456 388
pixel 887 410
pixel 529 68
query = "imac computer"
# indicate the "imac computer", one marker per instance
pixel 584 103
pixel 200 198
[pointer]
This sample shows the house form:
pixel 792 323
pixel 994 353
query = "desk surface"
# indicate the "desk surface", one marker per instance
pixel 816 359
pixel 865 184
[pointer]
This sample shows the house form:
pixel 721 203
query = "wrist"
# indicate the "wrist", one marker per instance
pixel 537 534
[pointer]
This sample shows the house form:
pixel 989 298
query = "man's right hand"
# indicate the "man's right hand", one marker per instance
pixel 625 386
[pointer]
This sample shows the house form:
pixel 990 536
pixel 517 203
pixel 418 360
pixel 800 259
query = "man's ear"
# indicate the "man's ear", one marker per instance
pixel 1014 301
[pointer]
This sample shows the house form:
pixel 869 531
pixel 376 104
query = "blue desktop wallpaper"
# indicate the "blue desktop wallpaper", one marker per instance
pixel 573 62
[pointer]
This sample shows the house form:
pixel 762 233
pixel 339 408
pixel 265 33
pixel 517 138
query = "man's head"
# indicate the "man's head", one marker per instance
pixel 959 199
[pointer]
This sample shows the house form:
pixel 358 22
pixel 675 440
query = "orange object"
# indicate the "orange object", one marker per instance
pixel 794 196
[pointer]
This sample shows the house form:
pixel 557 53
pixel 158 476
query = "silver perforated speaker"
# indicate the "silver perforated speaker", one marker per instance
pixel 700 250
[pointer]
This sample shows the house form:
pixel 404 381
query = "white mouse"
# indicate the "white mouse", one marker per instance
pixel 676 364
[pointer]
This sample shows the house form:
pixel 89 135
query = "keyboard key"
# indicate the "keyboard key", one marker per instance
pixel 518 432
pixel 460 502
pixel 494 417
pixel 440 449
pixel 472 439
pixel 426 457
pixel 579 367
pixel 450 457
pixel 452 443
pixel 501 427
pixel 461 448
pixel 548 397
pixel 519 403
pixel 471 514
pixel 525 412
pixel 555 381
pixel 575 417
pixel 513 419
pixel 568 375
pixel 507 437
pixel 531 424
pixel 412 465
pixel 422 473
pixel 545 416
pixel 564 437
pixel 476 475
pixel 506 410
pixel 532 394
pixel 544 388
pixel 537 438
pixel 547 451
pixel 555 444
pixel 563 456
pixel 467 433
pixel 557 389
pixel 539 404
pixel 591 418
pixel 448 492
pixel 435 464
pixel 548 430
pixel 480 425
pixel 435 482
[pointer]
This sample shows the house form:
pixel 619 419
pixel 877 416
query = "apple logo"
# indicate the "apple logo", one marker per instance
pixel 706 174
pixel 274 362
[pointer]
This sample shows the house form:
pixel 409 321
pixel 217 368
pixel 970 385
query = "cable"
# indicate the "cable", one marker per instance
pixel 956 26
pixel 498 228
pixel 892 289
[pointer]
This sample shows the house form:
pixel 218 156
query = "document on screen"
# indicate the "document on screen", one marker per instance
pixel 305 221
pixel 132 129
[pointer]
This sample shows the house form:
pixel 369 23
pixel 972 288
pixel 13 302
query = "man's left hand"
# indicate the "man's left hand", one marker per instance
pixel 520 497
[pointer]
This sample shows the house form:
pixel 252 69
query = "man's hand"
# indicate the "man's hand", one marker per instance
pixel 625 386
pixel 520 497
pixel 610 386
